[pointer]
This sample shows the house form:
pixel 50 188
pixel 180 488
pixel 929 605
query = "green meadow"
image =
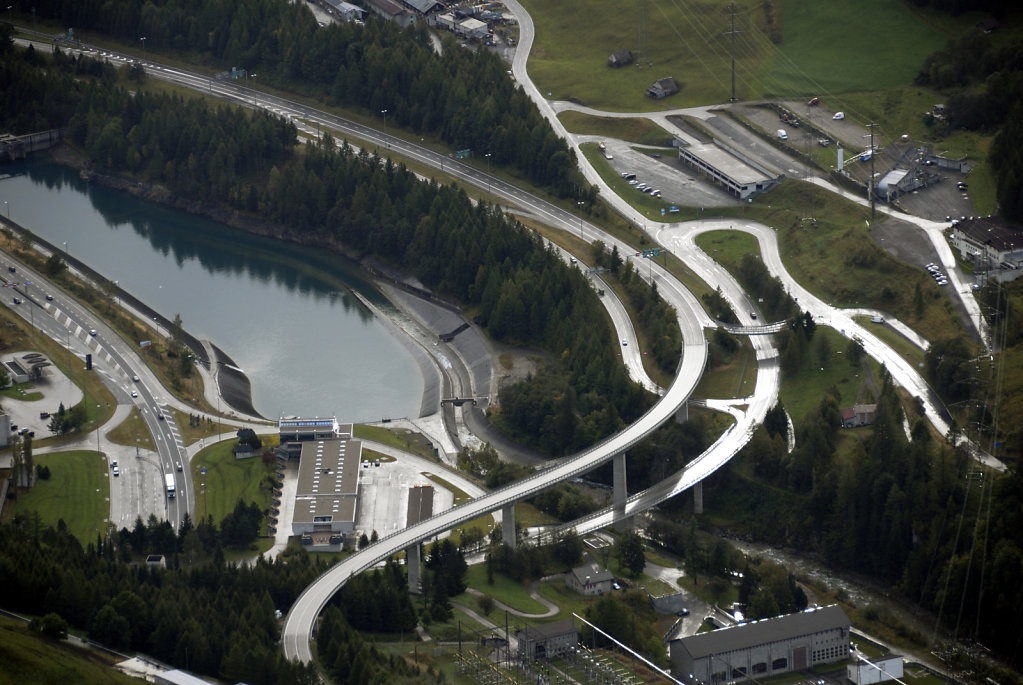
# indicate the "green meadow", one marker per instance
pixel 826 47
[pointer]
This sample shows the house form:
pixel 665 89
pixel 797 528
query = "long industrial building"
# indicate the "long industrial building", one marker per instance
pixel 764 648
pixel 328 477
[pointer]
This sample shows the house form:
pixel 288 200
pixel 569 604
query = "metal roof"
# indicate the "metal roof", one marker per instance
pixel 765 631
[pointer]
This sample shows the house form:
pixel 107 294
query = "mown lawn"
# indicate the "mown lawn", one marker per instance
pixel 226 480
pixel 504 589
pixel 78 491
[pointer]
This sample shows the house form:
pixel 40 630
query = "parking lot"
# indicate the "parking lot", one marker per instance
pixel 678 184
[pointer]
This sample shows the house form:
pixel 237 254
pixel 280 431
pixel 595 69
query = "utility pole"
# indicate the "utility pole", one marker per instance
pixel 732 32
pixel 870 183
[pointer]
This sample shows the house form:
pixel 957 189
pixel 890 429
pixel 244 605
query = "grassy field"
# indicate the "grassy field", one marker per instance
pixel 400 438
pixel 78 492
pixel 803 391
pixel 834 47
pixel 132 431
pixel 734 379
pixel 504 589
pixel 29 659
pixel 825 48
pixel 227 479
pixel 634 130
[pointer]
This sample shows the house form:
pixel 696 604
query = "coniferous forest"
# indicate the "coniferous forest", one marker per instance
pixel 463 97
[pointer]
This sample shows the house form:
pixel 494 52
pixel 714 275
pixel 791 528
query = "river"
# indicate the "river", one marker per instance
pixel 284 313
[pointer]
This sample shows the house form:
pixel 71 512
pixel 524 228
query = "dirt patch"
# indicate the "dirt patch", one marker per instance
pixel 515 364
pixel 904 241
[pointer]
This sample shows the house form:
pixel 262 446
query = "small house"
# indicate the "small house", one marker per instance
pixel 662 88
pixel 619 58
pixel 589 579
pixel 858 415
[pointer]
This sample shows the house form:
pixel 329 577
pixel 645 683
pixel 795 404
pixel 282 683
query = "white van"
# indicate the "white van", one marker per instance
pixel 782 135
pixel 839 116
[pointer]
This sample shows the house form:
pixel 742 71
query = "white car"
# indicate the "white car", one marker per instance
pixel 839 116
pixel 625 343
pixel 117 472
pixel 92 332
pixel 134 393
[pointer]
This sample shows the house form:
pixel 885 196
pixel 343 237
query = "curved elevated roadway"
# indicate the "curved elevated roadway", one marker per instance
pixel 298 628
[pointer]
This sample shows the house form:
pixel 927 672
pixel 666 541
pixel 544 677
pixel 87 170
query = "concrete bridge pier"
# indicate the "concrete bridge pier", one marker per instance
pixel 698 498
pixel 682 415
pixel 414 562
pixel 508 525
pixel 620 490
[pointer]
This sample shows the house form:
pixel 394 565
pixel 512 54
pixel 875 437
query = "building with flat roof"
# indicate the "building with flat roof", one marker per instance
pixel 293 431
pixel 328 483
pixel 738 177
pixel 759 649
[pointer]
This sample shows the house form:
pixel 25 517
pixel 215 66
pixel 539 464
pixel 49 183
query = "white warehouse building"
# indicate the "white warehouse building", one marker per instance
pixel 867 672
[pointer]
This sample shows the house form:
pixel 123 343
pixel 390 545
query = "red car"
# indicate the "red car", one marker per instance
pixel 814 102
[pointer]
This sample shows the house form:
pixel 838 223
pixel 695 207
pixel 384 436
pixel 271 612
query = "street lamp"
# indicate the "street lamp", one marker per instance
pixel 67 257
pixel 383 113
pixel 143 39
pixel 7 206
pixel 247 85
pixel 580 204
pixel 488 174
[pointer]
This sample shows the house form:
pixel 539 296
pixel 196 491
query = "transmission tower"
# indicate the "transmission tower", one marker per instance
pixel 731 31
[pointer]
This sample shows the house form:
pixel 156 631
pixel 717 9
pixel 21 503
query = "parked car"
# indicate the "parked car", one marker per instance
pixel 814 102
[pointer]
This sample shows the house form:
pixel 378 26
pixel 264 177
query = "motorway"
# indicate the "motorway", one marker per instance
pixel 139 490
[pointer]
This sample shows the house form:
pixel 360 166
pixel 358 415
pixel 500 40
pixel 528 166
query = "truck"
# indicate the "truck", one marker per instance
pixel 169 478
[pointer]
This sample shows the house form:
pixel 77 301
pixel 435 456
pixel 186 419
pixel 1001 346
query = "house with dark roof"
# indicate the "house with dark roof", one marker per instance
pixel 589 579
pixel 764 648
pixel 391 10
pixel 619 58
pixel 345 11
pixel 989 242
pixel 424 7
pixel 662 88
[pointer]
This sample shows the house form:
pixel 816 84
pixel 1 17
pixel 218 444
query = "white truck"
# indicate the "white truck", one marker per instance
pixel 169 478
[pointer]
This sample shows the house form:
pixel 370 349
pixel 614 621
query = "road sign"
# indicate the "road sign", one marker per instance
pixel 203 470
pixel 463 154
pixel 655 252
